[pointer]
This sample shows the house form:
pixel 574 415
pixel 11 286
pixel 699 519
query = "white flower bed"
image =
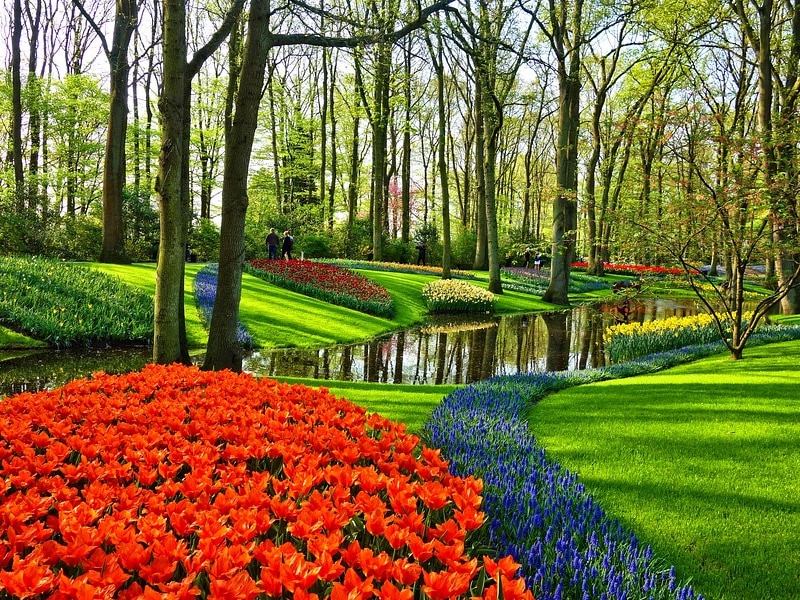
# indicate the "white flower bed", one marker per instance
pixel 456 295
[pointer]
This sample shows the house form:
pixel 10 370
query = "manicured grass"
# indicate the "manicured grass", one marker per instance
pixel 143 276
pixel 276 317
pixel 408 404
pixel 700 461
pixel 12 339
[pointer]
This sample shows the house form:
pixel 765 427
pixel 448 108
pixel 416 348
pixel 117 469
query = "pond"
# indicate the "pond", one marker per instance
pixel 442 350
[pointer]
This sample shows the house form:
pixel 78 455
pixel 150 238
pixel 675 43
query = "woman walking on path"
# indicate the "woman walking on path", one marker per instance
pixel 288 243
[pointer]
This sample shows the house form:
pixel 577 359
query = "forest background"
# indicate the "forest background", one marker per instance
pixel 650 133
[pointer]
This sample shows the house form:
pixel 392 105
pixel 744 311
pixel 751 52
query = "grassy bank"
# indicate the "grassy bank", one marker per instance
pixel 700 461
pixel 276 317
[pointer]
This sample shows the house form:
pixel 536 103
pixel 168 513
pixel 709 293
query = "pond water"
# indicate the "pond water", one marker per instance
pixel 443 350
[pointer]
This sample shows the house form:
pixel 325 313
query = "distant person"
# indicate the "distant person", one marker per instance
pixel 527 257
pixel 421 253
pixel 272 243
pixel 288 244
pixel 537 262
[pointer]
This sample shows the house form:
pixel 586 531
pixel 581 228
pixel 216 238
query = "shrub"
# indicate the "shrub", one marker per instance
pixel 455 295
pixel 75 238
pixel 462 249
pixel 397 251
pixel 174 482
pixel 204 241
pixel 314 246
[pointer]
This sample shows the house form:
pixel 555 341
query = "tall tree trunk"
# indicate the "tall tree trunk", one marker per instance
pixel 323 142
pixel 16 106
pixel 565 203
pixel 352 189
pixel 170 270
pixel 36 200
pixel 334 155
pixel 113 249
pixel 273 119
pixel 405 235
pixel 481 259
pixel 380 130
pixel 223 351
pixel 438 64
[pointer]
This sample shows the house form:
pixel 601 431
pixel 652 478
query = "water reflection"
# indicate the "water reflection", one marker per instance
pixel 444 350
pixel 448 351
pixel 464 350
pixel 49 369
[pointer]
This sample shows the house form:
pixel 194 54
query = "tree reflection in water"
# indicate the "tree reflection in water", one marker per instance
pixel 445 350
pixel 459 351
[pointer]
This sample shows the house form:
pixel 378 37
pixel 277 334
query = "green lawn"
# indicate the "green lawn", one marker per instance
pixel 409 404
pixel 701 461
pixel 276 317
pixel 11 339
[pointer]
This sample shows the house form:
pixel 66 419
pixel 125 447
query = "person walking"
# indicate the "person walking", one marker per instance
pixel 421 253
pixel 272 244
pixel 288 244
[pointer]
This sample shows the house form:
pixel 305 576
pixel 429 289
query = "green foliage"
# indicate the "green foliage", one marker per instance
pixel 314 246
pixel 204 241
pixel 354 241
pixel 19 232
pixel 397 251
pixel 70 305
pixel 462 249
pixel 428 234
pixel 141 225
pixel 74 238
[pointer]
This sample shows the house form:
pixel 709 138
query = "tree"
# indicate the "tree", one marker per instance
pixel 169 340
pixel 773 32
pixel 495 77
pixel 437 59
pixel 223 351
pixel 125 23
pixel 565 31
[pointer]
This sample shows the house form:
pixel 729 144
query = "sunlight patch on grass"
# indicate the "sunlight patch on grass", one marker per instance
pixel 699 460
pixel 403 403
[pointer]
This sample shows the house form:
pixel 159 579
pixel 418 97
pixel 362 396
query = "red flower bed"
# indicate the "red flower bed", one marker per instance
pixel 327 282
pixel 632 269
pixel 177 483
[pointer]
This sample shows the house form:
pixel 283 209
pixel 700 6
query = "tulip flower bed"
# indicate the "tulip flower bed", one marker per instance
pixel 68 305
pixel 205 292
pixel 326 282
pixel 628 341
pixel 632 269
pixel 539 512
pixel 455 295
pixel 176 483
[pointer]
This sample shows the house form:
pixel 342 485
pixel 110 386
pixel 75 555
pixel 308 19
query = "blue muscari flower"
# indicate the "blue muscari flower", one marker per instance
pixel 205 292
pixel 536 510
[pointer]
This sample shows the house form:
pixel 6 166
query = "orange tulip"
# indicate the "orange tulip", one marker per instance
pixel 27 578
pixel 444 585
pixel 390 592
